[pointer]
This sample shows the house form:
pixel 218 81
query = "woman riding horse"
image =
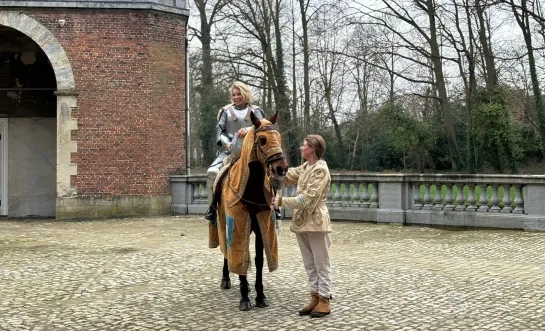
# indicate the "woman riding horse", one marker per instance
pixel 245 206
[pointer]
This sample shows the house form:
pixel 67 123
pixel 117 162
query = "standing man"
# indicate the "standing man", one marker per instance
pixel 311 223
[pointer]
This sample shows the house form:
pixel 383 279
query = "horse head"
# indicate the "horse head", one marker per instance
pixel 268 144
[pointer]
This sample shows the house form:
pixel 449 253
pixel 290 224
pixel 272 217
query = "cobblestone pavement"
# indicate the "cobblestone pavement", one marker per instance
pixel 158 274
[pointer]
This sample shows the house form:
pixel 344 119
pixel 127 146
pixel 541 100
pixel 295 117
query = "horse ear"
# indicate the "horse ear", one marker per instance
pixel 255 120
pixel 272 119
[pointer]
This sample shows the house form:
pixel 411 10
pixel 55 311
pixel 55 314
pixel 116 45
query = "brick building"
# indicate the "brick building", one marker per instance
pixel 92 106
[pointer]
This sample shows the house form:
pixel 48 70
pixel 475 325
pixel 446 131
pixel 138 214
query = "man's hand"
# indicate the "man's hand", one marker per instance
pixel 274 202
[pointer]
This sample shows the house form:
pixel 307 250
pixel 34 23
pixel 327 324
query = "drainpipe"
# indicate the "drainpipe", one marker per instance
pixel 187 126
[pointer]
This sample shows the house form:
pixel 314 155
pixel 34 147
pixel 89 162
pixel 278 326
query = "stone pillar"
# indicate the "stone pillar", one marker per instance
pixel 534 200
pixel 533 204
pixel 394 198
pixel 181 194
pixel 66 101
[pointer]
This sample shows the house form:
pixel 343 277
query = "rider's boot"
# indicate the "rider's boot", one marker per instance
pixel 211 212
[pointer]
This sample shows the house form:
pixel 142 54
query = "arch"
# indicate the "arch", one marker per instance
pixel 47 42
pixel 66 96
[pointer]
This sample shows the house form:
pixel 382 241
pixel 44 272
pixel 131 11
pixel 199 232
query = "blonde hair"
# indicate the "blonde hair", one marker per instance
pixel 244 91
pixel 318 143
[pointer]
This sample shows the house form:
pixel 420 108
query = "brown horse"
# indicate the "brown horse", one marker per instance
pixel 246 194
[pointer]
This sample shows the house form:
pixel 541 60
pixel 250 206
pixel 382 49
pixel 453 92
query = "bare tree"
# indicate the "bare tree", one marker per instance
pixel 491 76
pixel 430 49
pixel 522 15
pixel 208 14
pixel 462 39
pixel 305 17
pixel 331 65
pixel 261 21
pixel 425 57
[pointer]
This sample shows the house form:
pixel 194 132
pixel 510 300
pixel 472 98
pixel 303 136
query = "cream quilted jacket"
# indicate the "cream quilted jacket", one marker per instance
pixel 310 212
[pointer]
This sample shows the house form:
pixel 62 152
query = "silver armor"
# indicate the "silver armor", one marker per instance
pixel 230 120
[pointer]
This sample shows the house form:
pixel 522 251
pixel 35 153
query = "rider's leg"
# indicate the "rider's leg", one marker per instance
pixel 210 177
pixel 219 163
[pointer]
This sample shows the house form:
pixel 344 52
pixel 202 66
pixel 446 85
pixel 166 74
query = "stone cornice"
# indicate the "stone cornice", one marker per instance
pixel 178 7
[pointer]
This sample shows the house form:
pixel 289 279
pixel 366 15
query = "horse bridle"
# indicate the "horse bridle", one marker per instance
pixel 268 162
pixel 272 158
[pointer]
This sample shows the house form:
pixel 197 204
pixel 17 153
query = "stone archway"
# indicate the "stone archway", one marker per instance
pixel 66 94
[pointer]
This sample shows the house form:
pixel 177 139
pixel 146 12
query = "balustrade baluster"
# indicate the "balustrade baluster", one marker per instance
pixel 506 199
pixel 449 198
pixel 337 196
pixel 471 199
pixel 519 202
pixel 329 201
pixel 417 198
pixel 357 196
pixel 460 199
pixel 346 196
pixel 495 200
pixel 204 195
pixel 374 196
pixel 365 196
pixel 427 197
pixel 196 192
pixel 483 199
pixel 438 203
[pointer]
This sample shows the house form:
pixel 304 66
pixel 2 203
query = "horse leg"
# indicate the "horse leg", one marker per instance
pixel 225 280
pixel 261 299
pixel 245 303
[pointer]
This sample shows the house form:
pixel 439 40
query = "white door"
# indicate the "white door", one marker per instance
pixel 3 166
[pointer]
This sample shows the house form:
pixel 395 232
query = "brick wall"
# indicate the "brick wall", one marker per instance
pixel 129 72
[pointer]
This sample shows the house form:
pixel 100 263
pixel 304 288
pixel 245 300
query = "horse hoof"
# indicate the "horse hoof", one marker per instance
pixel 261 302
pixel 245 305
pixel 225 283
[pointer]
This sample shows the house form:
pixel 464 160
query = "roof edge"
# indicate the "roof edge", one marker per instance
pixel 178 7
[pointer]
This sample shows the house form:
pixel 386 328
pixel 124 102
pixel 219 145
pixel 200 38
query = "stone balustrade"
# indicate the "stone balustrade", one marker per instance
pixel 499 201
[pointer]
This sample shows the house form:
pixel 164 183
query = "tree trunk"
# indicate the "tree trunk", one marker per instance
pixel 441 88
pixel 491 76
pixel 470 92
pixel 524 24
pixel 208 107
pixel 306 60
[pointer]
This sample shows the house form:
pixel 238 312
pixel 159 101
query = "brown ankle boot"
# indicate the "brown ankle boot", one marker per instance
pixel 322 308
pixel 313 302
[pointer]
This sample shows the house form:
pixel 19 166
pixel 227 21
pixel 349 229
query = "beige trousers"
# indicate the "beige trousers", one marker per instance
pixel 314 248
